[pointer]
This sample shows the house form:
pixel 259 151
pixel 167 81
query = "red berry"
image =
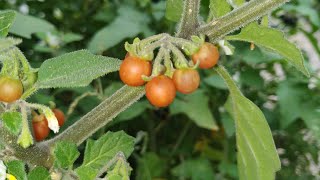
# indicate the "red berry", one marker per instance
pixel 160 91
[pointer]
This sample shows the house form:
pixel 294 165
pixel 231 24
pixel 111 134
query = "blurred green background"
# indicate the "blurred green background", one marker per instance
pixel 171 142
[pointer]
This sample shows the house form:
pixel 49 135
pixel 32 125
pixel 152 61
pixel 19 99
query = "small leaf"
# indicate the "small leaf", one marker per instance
pixel 6 20
pixel 150 166
pixel 174 10
pixel 12 121
pixel 86 173
pixel 290 99
pixel 121 169
pixel 39 173
pixel 273 40
pixel 65 154
pixel 215 81
pixel 133 111
pixel 25 25
pixel 201 115
pixel 257 155
pixel 196 169
pixel 98 153
pixel 74 69
pixel 310 115
pixel 129 24
pixel 252 78
pixel 17 169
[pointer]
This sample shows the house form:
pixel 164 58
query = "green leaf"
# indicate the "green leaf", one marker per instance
pixel 257 155
pixel 196 169
pixel 17 169
pixel 273 40
pixel 86 173
pixel 215 81
pixel 174 10
pixel 229 169
pixel 6 43
pixel 228 124
pixel 12 121
pixel 256 56
pixel 39 173
pixel 150 167
pixel 133 111
pixel 6 20
pixel 98 153
pixel 306 10
pixel 219 8
pixel 121 169
pixel 74 69
pixel 201 115
pixel 290 99
pixel 252 78
pixel 66 154
pixel 297 101
pixel 25 25
pixel 129 24
pixel 70 37
pixel 311 117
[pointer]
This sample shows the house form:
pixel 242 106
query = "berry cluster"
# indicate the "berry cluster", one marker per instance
pixel 161 89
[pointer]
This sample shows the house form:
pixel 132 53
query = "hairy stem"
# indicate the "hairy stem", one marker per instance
pixel 189 21
pixel 36 155
pixel 40 154
pixel 238 18
pixel 100 116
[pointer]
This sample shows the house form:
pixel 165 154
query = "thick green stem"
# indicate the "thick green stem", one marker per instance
pixel 36 155
pixel 238 18
pixel 40 154
pixel 100 116
pixel 189 21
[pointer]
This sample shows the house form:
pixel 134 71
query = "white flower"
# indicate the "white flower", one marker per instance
pixel 3 170
pixel 227 49
pixel 52 121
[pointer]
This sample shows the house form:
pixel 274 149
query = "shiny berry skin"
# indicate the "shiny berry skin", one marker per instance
pixel 186 81
pixel 208 55
pixel 59 115
pixel 40 127
pixel 160 91
pixel 132 69
pixel 10 89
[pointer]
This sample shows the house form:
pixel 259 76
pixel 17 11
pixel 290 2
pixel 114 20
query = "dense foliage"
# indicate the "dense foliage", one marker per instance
pixel 195 137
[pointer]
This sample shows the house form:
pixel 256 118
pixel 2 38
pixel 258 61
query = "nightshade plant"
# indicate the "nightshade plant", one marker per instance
pixel 228 21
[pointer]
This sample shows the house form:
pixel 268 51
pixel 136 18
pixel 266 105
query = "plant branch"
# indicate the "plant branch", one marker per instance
pixel 37 155
pixel 40 154
pixel 189 21
pixel 100 116
pixel 238 18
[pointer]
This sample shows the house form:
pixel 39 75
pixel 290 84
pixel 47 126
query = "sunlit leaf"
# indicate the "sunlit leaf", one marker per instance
pixel 257 155
pixel 74 69
pixel 25 25
pixel 272 40
pixel 6 20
